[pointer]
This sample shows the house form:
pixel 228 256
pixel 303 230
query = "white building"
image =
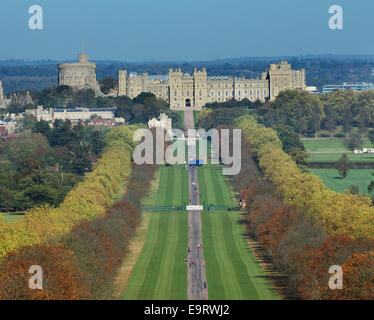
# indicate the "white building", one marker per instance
pixel 163 122
pixel 83 114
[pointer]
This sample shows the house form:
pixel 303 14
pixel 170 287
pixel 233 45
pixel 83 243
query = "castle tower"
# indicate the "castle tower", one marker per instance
pixel 1 92
pixel 200 88
pixel 78 74
pixel 175 85
pixel 122 83
pixel 83 58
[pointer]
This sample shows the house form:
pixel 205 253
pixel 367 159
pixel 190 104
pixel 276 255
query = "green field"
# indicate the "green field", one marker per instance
pixel 332 150
pixel 160 271
pixel 232 271
pixel 213 187
pixel 181 117
pixel 359 177
pixel 196 117
pixel 11 217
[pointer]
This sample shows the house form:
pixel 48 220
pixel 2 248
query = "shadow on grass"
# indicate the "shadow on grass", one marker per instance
pixel 273 272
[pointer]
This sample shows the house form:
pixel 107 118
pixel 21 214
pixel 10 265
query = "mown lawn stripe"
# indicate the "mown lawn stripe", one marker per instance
pixel 215 277
pixel 160 272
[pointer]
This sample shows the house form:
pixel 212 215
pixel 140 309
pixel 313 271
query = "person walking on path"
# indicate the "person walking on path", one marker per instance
pixel 198 246
pixel 204 284
pixel 188 249
pixel 193 262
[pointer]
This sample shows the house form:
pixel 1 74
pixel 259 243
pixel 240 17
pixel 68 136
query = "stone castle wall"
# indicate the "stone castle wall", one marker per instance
pixel 194 91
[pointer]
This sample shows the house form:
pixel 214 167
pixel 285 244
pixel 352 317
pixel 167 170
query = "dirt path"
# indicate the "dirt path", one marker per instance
pixel 196 274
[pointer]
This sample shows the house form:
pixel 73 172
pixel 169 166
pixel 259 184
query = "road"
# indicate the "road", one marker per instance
pixel 196 272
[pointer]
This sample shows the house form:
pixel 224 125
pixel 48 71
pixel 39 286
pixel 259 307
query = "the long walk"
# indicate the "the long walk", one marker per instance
pixel 196 271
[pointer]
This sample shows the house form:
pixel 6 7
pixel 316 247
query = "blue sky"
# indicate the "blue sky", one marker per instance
pixel 160 30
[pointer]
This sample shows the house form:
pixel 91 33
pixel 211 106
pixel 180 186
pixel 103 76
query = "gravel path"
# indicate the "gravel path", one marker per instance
pixel 196 272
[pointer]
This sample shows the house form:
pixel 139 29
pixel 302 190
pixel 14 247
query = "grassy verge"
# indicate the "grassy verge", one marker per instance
pixel 232 270
pixel 214 189
pixel 11 216
pixel 160 271
pixel 359 177
pixel 332 150
pixel 196 117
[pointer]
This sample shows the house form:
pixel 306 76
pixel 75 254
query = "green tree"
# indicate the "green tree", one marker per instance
pixel 290 139
pixel 43 128
pixel 371 136
pixel 97 142
pixel 108 84
pixel 342 165
pixel 354 142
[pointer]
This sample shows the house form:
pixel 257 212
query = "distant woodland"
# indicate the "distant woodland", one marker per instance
pixel 36 76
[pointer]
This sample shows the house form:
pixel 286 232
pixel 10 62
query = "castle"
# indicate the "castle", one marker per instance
pixel 79 75
pixel 183 90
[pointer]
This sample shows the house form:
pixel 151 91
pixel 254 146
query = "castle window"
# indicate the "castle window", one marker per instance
pixel 258 92
pixel 227 93
pixel 218 93
pixel 201 93
pixel 239 92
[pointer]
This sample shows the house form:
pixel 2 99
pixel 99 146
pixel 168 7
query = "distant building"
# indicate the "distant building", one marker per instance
pixel 1 91
pixel 363 86
pixel 79 75
pixel 182 90
pixel 108 123
pixel 3 100
pixel 311 89
pixel 163 122
pixel 9 125
pixel 78 114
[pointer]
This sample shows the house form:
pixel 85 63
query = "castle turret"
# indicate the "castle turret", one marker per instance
pixel 122 83
pixel 200 87
pixel 1 92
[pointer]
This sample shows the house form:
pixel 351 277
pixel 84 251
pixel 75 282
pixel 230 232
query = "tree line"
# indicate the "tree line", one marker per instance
pixel 304 226
pixel 42 164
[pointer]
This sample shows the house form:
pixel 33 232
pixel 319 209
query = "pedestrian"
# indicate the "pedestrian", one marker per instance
pixel 189 264
pixel 188 249
pixel 193 262
pixel 204 284
pixel 198 246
